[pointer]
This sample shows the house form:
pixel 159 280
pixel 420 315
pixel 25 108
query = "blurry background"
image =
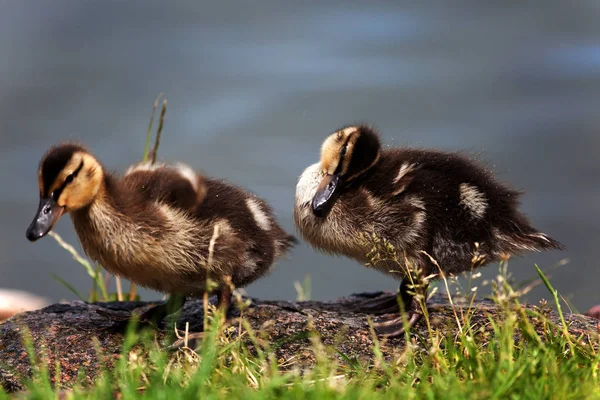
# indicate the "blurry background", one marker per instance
pixel 254 87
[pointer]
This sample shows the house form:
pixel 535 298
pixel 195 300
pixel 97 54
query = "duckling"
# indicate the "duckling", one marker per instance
pixel 434 208
pixel 164 227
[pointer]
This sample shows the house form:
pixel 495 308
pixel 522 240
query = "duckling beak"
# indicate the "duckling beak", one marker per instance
pixel 326 195
pixel 47 214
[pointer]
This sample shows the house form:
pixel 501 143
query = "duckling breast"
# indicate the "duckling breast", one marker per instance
pixel 358 214
pixel 340 232
pixel 171 252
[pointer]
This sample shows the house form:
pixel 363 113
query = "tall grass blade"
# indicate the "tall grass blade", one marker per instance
pixel 556 297
pixel 159 130
pixel 149 132
pixel 97 277
pixel 69 286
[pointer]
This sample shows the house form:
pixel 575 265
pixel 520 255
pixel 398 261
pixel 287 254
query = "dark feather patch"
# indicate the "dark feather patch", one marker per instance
pixel 366 149
pixel 54 161
pixel 134 196
pixel 449 232
pixel 165 185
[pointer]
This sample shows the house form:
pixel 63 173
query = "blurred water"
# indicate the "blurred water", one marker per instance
pixel 254 87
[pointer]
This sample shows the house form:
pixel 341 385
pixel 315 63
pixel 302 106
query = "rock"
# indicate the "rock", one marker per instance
pixel 15 301
pixel 71 333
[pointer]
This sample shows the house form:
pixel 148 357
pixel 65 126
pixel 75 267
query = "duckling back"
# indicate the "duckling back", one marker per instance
pixel 253 219
pixel 169 228
pixel 466 210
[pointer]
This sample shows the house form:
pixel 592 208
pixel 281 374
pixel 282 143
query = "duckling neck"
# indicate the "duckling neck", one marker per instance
pixel 110 201
pixel 116 227
pixel 366 174
pixel 108 217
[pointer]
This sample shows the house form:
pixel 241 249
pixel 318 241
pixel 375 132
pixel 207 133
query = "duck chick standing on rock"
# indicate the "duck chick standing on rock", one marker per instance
pixel 163 227
pixel 428 204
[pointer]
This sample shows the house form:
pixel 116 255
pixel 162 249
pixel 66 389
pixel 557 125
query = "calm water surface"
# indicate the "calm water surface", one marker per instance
pixel 254 87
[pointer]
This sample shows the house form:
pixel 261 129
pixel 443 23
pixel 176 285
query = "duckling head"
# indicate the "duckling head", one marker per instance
pixel 69 178
pixel 345 155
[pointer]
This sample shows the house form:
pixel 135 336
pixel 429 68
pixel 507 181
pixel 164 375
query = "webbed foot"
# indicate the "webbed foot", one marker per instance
pixel 155 315
pixel 152 314
pixel 392 325
pixel 384 303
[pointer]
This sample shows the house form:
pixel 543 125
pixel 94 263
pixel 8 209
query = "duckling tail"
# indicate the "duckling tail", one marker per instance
pixel 531 240
pixel 516 234
pixel 541 241
pixel 284 244
pixel 291 241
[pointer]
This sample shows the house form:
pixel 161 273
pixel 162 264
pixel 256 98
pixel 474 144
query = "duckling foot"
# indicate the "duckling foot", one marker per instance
pixel 168 310
pixel 148 315
pixel 191 340
pixel 392 325
pixel 385 303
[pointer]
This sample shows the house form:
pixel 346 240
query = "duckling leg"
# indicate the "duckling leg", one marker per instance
pixel 392 325
pixel 191 340
pixel 157 313
pixel 224 299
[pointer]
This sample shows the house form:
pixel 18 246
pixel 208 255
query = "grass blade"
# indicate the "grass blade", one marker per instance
pixel 95 275
pixel 149 132
pixel 159 131
pixel 68 286
pixel 554 293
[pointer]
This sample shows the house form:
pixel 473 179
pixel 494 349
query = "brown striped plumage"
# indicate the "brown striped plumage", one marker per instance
pixel 164 227
pixel 425 203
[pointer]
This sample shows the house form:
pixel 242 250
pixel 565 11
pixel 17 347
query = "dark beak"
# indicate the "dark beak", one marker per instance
pixel 47 214
pixel 327 194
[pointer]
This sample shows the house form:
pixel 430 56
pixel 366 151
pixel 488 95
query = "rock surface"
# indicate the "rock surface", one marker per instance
pixel 71 333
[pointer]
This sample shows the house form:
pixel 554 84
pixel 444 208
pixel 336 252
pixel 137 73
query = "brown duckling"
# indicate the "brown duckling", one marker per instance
pixel 431 206
pixel 163 227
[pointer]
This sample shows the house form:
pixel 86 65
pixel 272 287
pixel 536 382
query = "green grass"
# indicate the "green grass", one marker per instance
pixel 516 358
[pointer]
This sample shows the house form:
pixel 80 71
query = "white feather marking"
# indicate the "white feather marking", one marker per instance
pixel 404 169
pixel 416 202
pixel 513 241
pixel 542 236
pixel 188 173
pixel 415 229
pixel 144 166
pixel 308 183
pixel 418 219
pixel 261 218
pixel 473 199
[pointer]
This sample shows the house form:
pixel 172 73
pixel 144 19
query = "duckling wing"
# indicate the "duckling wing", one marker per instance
pixel 176 185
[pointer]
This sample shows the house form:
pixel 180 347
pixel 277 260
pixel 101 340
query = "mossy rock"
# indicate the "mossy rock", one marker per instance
pixel 83 338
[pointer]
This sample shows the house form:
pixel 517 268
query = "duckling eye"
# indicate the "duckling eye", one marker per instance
pixel 69 179
pixel 343 151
